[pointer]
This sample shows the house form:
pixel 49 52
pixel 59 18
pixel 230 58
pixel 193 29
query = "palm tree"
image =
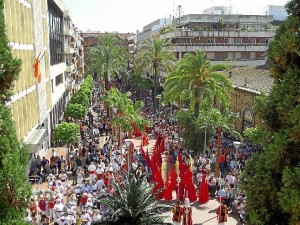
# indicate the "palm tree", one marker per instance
pixel 132 202
pixel 128 113
pixel 195 74
pixel 108 58
pixel 215 120
pixel 154 57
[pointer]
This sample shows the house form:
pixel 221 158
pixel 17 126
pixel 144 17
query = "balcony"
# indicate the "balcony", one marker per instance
pixel 70 68
pixel 69 50
pixel 219 47
pixel 70 84
pixel 221 33
pixel 68 31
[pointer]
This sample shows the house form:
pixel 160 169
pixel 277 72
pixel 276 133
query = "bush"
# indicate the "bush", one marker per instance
pixel 75 111
pixel 66 133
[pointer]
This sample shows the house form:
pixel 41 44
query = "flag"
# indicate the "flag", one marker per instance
pixel 37 68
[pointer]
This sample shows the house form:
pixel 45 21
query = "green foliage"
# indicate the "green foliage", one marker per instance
pixel 155 56
pixel 271 179
pixel 193 137
pixel 66 133
pixel 14 186
pixel 140 84
pixel 194 74
pixel 9 66
pixel 129 113
pixel 108 58
pixel 167 29
pixel 80 98
pixel 75 111
pixel 256 134
pixel 132 202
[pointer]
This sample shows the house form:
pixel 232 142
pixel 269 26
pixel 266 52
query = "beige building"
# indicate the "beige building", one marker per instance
pixel 35 29
pixel 248 83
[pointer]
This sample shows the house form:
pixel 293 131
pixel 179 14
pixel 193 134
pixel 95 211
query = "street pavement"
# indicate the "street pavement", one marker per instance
pixel 202 214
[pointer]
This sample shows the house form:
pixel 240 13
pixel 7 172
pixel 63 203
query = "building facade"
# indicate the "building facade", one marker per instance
pixel 241 40
pixel 248 83
pixel 35 29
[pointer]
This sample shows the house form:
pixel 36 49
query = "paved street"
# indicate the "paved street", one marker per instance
pixel 202 214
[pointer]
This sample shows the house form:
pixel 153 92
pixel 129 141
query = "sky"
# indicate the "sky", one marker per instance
pixel 131 15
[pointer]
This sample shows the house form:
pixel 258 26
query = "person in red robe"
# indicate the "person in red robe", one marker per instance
pixel 203 193
pixel 190 189
pixel 168 189
pixel 180 191
pixel 158 185
pixel 173 178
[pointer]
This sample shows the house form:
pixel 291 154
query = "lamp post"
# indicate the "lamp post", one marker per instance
pixel 236 145
pixel 158 97
pixel 178 179
pixel 128 147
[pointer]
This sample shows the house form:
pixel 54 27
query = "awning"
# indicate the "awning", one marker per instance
pixel 35 141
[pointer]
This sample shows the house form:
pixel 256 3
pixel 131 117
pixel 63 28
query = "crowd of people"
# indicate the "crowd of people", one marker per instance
pixel 75 179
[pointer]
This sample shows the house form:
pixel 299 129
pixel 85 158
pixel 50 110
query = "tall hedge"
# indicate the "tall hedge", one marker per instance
pixel 272 179
pixel 14 186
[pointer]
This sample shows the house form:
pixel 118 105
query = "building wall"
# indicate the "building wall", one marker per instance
pixel 18 17
pixel 242 103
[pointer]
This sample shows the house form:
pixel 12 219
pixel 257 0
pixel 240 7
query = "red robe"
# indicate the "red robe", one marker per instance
pixel 203 193
pixel 168 188
pixel 187 215
pixel 191 191
pixel 181 191
pixel 173 178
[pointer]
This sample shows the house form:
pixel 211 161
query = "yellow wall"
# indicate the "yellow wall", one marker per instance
pixel 19 27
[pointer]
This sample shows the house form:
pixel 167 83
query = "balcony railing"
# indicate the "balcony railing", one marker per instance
pixel 221 44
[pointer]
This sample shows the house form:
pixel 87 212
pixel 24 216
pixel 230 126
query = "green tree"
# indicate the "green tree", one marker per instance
pixel 9 66
pixel 15 189
pixel 75 111
pixel 133 202
pixel 66 133
pixel 154 56
pixel 81 98
pixel 271 179
pixel 195 74
pixel 129 114
pixel 213 119
pixel 108 58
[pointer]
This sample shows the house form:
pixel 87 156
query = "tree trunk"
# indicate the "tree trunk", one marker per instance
pixel 154 89
pixel 217 166
pixel 106 81
pixel 178 125
pixel 197 102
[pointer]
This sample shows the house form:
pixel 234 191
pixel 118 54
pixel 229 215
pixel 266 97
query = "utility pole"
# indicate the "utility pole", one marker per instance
pixel 179 13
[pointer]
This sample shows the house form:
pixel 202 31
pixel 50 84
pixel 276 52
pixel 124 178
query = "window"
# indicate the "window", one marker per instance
pixel 211 40
pixel 52 88
pixel 59 79
pixel 56 34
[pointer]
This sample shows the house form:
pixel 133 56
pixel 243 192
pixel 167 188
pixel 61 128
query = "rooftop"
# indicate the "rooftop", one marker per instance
pixel 252 79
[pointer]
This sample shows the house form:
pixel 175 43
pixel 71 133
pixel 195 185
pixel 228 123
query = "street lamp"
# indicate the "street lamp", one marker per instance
pixel 128 143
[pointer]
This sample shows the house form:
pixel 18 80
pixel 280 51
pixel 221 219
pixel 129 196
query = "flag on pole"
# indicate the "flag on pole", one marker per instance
pixel 37 69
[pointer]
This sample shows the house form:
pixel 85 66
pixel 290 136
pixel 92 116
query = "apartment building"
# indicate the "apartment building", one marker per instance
pixel 74 54
pixel 241 39
pixel 35 29
pixel 29 40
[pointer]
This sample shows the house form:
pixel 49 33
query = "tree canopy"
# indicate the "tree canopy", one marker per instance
pixel 271 179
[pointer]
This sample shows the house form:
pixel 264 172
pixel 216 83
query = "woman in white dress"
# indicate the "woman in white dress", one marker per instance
pixel 80 177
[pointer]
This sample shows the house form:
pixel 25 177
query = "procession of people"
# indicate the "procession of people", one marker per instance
pixel 75 179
